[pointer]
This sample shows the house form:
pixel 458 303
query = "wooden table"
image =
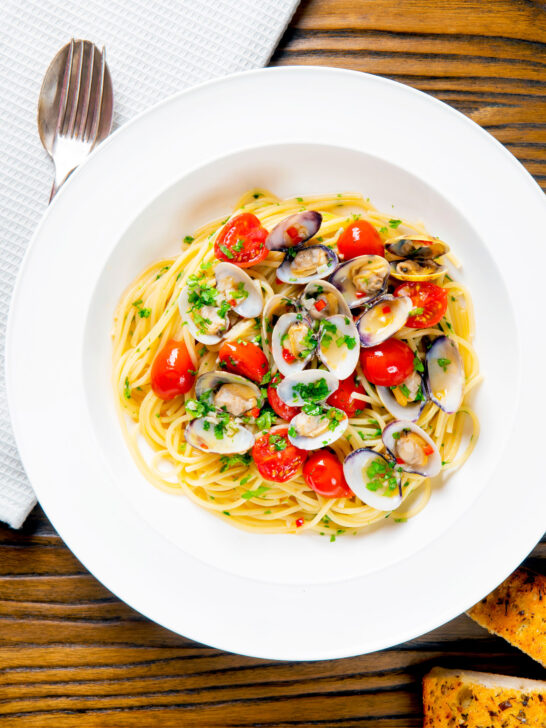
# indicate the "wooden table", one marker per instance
pixel 71 654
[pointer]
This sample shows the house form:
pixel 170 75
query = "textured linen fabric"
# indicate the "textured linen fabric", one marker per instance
pixel 153 49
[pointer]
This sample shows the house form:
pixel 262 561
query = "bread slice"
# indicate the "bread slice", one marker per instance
pixel 516 610
pixel 466 699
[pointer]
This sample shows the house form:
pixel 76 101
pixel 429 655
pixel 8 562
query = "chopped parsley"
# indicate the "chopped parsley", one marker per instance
pixel 189 239
pixel 200 407
pixel 417 311
pixel 292 431
pixel 145 312
pixel 279 443
pixel 380 474
pixel 418 364
pixel 266 419
pixel 443 363
pixel 394 223
pixel 266 378
pixel 238 245
pixel 162 271
pixel 383 230
pixel 312 392
pixel 226 251
pixel 229 461
pixel 349 341
pixel 405 391
pixel 127 389
pixel 255 493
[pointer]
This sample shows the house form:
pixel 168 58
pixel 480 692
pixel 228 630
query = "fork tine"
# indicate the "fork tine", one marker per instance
pixel 75 98
pixel 80 132
pixel 93 132
pixel 64 88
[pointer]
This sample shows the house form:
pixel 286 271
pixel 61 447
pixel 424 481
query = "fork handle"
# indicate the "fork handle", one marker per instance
pixel 61 175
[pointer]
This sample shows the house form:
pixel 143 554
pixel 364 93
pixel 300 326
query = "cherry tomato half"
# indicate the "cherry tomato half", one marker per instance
pixel 171 372
pixel 324 474
pixel 242 241
pixel 275 457
pixel 279 407
pixel 360 238
pixel 387 364
pixel 428 298
pixel 245 358
pixel 342 398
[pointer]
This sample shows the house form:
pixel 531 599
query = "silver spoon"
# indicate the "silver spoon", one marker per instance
pixel 75 107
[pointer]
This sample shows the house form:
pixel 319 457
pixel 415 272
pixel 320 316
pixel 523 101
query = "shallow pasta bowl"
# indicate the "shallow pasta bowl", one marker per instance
pixel 270 596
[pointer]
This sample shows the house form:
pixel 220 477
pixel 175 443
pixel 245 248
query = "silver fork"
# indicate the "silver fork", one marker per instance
pixel 75 108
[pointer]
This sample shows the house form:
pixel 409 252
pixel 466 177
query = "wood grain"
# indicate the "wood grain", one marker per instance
pixel 71 654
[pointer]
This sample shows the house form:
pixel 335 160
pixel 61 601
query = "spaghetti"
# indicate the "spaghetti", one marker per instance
pixel 232 486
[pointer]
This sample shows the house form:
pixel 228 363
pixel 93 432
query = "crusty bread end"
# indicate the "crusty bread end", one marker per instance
pixel 467 699
pixel 516 610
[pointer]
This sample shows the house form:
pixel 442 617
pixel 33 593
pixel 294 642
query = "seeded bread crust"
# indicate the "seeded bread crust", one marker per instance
pixel 466 699
pixel 516 610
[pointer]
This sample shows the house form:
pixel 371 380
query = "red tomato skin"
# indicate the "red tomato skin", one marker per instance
pixel 170 373
pixel 324 474
pixel 245 227
pixel 246 359
pixel 387 364
pixel 342 399
pixel 360 238
pixel 428 296
pixel 279 407
pixel 277 465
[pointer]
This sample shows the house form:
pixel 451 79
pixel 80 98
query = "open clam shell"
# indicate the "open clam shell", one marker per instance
pixel 197 333
pixel 416 269
pixel 306 264
pixel 417 246
pixel 382 319
pixel 320 299
pixel 275 306
pixel 445 374
pixel 411 411
pixel 240 391
pixel 334 420
pixel 312 385
pixel 373 478
pixel 201 434
pixel 294 230
pixel 237 285
pixel 361 279
pixel 292 329
pixel 339 345
pixel 413 450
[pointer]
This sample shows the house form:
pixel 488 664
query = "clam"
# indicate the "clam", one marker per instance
pixel 339 345
pixel 317 426
pixel 312 385
pixel 382 319
pixel 445 374
pixel 218 434
pixel 416 269
pixel 406 400
pixel 373 478
pixel 417 246
pixel 206 324
pixel 238 289
pixel 361 279
pixel 293 343
pixel 301 265
pixel 321 299
pixel 229 392
pixel 275 306
pixel 412 448
pixel 294 230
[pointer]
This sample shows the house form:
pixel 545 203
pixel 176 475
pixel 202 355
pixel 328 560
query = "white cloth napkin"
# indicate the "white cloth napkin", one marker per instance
pixel 153 48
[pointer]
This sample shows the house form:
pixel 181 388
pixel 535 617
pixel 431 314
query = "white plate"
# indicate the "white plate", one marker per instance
pixel 296 131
